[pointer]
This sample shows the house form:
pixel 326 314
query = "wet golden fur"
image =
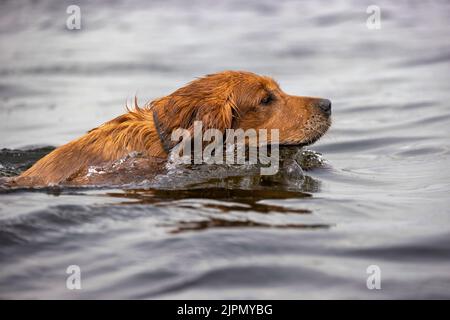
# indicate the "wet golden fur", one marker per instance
pixel 230 99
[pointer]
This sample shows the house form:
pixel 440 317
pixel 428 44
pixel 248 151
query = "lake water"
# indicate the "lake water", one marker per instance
pixel 382 197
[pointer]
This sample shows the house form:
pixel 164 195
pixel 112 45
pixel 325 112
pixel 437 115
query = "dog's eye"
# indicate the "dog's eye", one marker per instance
pixel 267 100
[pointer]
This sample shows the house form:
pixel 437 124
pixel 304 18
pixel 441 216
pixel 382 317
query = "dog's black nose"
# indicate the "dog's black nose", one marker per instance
pixel 325 106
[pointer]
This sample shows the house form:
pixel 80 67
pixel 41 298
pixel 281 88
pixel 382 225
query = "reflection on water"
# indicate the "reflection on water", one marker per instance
pixel 223 223
pixel 226 202
pixel 311 231
pixel 248 197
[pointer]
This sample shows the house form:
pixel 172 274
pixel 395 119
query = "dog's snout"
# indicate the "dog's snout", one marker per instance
pixel 325 106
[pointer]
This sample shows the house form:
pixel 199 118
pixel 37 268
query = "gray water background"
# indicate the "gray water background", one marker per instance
pixel 383 198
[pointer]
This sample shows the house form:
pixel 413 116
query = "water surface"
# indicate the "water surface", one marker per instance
pixel 382 198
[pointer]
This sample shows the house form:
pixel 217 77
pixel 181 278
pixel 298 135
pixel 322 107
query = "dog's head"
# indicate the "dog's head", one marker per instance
pixel 237 99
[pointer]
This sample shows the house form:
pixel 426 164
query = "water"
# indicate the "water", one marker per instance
pixel 381 197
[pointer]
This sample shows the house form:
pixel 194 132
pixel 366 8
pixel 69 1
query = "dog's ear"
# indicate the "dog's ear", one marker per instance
pixel 214 114
pixel 182 108
pixel 208 99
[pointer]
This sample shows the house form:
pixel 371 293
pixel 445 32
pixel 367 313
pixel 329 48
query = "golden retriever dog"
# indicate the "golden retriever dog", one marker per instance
pixel 225 100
